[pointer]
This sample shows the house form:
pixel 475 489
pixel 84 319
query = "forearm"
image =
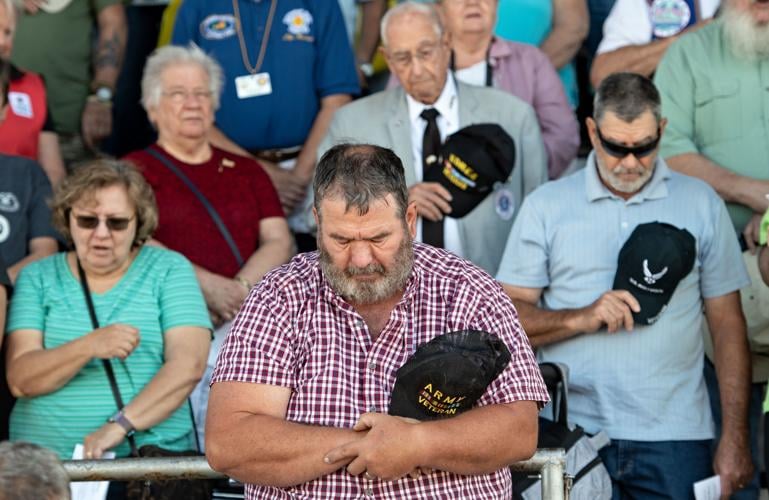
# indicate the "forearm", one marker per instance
pixel 49 156
pixel 732 360
pixel 221 141
pixel 480 441
pixel 570 27
pixel 641 59
pixel 110 47
pixel 732 187
pixel 272 451
pixel 369 34
pixel 165 392
pixel 43 371
pixel 207 280
pixel 546 327
pixel 269 256
pixel 305 163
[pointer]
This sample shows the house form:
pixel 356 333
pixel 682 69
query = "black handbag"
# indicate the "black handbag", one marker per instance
pixel 188 489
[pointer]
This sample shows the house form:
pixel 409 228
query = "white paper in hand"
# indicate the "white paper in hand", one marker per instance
pixel 95 490
pixel 708 489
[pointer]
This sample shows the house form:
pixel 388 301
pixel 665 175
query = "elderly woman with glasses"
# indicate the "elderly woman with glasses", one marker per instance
pixel 151 325
pixel 481 58
pixel 218 209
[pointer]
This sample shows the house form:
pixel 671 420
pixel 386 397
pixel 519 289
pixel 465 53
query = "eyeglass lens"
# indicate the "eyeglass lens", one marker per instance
pixel 113 223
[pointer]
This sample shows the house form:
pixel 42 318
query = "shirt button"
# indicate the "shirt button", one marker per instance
pixel 372 366
pixel 372 409
pixel 369 492
pixel 624 225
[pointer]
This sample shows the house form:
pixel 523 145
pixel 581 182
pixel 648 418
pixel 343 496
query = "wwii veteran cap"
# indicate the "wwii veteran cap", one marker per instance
pixel 474 159
pixel 651 263
pixel 447 375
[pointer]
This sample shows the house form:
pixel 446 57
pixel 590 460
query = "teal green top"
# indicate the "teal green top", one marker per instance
pixel 530 21
pixel 158 292
pixel 716 105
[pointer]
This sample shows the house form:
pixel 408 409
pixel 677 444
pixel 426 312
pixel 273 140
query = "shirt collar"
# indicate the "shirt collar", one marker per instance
pixel 656 188
pixel 445 104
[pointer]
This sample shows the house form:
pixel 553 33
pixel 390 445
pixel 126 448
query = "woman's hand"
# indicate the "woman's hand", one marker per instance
pixel 113 341
pixel 224 296
pixel 102 439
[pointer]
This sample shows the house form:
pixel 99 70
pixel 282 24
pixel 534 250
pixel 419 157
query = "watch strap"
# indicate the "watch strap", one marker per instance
pixel 120 419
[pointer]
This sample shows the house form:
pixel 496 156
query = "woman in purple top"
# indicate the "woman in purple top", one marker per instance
pixel 480 58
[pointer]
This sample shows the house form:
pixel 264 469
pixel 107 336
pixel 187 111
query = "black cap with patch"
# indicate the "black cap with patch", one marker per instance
pixel 448 375
pixel 475 158
pixel 651 263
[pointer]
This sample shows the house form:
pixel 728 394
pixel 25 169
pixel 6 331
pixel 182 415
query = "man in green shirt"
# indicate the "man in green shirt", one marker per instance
pixel 713 84
pixel 54 39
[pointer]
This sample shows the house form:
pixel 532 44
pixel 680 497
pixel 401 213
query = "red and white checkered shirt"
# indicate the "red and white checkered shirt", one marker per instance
pixel 295 331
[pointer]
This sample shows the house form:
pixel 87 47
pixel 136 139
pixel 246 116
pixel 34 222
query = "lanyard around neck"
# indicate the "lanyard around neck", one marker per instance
pixel 489 68
pixel 241 39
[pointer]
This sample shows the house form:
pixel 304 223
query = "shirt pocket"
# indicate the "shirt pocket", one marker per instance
pixel 714 102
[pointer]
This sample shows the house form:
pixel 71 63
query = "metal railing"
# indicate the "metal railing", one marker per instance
pixel 549 463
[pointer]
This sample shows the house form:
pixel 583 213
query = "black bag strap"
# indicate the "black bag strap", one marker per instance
pixel 105 362
pixel 207 204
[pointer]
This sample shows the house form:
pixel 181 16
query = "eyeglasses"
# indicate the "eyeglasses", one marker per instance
pixel 620 151
pixel 113 223
pixel 424 54
pixel 179 96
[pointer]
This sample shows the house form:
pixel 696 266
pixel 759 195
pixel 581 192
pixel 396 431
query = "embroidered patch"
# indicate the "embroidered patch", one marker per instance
pixel 504 203
pixel 9 202
pixel 298 21
pixel 669 17
pixel 218 26
pixel 21 104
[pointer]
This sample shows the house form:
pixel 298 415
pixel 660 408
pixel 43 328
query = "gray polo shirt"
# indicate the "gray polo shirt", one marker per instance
pixel 646 384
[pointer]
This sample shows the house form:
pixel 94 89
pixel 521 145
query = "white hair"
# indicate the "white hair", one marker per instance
pixel 748 41
pixel 31 471
pixel 410 7
pixel 173 55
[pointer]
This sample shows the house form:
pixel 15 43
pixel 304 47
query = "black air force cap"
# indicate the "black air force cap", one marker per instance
pixel 651 263
pixel 475 158
pixel 448 375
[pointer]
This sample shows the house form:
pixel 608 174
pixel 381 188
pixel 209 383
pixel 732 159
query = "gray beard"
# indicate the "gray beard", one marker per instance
pixel 390 282
pixel 747 40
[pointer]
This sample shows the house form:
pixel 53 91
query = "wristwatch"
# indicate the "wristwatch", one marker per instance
pixel 102 94
pixel 367 69
pixel 120 419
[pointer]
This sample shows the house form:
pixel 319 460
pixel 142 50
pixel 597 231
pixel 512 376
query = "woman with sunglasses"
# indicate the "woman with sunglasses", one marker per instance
pixel 150 322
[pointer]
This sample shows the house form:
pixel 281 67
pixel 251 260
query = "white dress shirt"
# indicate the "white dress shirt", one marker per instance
pixel 448 123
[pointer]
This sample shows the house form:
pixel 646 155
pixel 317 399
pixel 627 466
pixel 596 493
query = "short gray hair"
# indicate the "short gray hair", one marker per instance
pixel 360 174
pixel 173 55
pixel 410 7
pixel 628 95
pixel 31 472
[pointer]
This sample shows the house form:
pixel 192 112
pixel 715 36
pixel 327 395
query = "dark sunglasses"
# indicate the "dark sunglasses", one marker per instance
pixel 620 151
pixel 113 223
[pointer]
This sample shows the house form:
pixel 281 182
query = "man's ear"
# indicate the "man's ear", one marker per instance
pixel 411 218
pixel 591 131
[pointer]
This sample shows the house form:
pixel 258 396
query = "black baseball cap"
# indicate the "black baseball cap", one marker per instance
pixel 447 375
pixel 651 263
pixel 475 158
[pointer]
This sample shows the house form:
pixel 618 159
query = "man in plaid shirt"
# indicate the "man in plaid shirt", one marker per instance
pixel 302 385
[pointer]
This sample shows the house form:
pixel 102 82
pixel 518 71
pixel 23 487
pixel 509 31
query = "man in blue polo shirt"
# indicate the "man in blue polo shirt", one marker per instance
pixel 635 358
pixel 287 66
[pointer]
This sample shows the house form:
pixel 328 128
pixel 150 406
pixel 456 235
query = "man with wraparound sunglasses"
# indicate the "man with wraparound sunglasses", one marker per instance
pixel 610 269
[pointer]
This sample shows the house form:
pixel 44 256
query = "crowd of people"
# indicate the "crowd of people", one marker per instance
pixel 307 194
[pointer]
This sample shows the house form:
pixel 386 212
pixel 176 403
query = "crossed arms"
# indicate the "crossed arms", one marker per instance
pixel 248 438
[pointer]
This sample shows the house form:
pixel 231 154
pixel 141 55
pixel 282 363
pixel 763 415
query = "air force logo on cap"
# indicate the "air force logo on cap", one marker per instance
pixel 651 263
